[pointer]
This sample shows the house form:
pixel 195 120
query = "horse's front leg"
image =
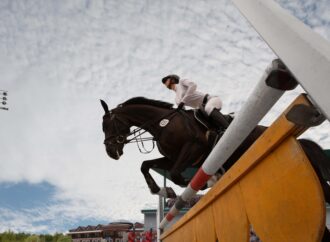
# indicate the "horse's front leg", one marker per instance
pixel 161 163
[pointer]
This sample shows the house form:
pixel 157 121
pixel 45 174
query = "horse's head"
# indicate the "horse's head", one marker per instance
pixel 116 131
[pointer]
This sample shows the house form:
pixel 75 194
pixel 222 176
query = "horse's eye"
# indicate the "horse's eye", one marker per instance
pixel 120 139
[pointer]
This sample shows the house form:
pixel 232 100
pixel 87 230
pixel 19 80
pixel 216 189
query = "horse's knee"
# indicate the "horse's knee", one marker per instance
pixel 145 167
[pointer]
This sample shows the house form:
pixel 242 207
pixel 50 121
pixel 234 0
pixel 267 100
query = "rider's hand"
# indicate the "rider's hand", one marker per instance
pixel 181 105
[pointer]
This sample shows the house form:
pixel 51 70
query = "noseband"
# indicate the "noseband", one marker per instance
pixel 137 133
pixel 120 138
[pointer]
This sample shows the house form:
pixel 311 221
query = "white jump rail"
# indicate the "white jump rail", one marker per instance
pixel 305 53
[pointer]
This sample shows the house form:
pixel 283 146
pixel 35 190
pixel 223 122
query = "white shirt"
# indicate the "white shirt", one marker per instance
pixel 186 92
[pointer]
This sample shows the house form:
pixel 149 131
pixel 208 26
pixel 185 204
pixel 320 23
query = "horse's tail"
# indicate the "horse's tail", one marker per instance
pixel 320 162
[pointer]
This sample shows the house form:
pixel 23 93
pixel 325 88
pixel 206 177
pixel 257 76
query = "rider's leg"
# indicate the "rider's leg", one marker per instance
pixel 218 118
pixel 212 108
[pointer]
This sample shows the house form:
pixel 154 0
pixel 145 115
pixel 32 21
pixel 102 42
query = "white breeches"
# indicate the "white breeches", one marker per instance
pixel 213 102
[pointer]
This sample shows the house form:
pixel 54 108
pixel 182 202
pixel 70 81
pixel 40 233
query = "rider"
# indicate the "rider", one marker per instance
pixel 132 236
pixel 187 95
pixel 148 236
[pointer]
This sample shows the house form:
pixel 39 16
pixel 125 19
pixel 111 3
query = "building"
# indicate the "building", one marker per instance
pixel 112 232
pixel 150 218
pixel 150 215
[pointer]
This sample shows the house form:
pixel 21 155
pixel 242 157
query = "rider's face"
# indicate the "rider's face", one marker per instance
pixel 168 83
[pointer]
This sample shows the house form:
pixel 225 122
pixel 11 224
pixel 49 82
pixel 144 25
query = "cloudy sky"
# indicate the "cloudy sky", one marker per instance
pixel 58 58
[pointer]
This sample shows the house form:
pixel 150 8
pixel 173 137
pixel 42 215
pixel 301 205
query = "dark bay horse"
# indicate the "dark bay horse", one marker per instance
pixel 182 140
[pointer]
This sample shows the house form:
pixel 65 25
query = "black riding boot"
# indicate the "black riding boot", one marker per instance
pixel 218 119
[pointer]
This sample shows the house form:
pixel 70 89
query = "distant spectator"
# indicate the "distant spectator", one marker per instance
pixel 132 236
pixel 253 236
pixel 149 235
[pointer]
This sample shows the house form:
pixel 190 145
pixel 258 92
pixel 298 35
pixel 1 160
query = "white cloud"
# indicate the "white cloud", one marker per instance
pixel 59 57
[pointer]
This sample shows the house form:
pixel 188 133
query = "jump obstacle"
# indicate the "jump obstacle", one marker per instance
pixel 269 188
pixel 227 210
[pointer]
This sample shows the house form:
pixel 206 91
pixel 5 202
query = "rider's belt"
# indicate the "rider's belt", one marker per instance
pixel 205 99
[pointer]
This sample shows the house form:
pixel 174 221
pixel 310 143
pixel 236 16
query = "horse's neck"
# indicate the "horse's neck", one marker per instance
pixel 143 116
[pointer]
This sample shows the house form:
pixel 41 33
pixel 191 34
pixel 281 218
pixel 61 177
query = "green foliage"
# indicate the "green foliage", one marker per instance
pixel 32 238
pixel 10 236
pixel 64 238
pixel 46 238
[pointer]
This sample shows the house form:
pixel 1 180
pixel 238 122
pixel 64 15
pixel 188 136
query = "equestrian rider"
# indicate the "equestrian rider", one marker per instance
pixel 187 95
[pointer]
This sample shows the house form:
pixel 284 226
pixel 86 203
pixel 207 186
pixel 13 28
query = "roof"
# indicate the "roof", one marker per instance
pixel 117 226
pixel 84 232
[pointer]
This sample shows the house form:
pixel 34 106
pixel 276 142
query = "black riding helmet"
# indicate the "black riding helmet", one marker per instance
pixel 174 78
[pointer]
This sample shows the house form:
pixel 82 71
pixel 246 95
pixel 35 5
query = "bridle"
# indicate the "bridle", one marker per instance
pixel 121 139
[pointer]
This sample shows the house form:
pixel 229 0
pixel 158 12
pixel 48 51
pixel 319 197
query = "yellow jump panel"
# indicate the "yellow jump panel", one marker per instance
pixel 285 203
pixel 204 226
pixel 272 187
pixel 230 217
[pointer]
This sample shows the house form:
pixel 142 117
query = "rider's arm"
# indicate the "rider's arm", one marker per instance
pixel 191 88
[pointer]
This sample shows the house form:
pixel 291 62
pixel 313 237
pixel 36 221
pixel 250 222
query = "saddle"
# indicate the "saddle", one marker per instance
pixel 214 132
pixel 201 116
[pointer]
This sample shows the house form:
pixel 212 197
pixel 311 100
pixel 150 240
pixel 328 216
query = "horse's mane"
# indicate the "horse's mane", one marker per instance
pixel 146 101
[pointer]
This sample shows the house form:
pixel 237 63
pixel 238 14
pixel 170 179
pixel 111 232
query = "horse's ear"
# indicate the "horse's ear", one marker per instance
pixel 105 106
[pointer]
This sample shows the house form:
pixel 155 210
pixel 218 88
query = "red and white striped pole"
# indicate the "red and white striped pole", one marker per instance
pixel 269 89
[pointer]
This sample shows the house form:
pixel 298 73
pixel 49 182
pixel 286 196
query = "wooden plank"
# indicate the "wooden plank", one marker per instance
pixel 231 221
pixel 257 191
pixel 283 197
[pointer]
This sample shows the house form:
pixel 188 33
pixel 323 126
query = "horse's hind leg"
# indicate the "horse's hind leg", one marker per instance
pixel 321 165
pixel 161 163
pixel 326 235
pixel 189 154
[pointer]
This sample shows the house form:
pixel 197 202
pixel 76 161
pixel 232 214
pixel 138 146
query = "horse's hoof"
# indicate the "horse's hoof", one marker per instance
pixel 170 192
pixel 166 192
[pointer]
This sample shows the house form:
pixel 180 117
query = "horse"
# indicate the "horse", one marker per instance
pixel 180 138
pixel 183 141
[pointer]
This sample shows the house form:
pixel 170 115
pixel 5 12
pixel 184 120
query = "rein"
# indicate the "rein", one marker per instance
pixel 138 132
pixel 140 141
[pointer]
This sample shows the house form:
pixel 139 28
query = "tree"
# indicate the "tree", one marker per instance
pixel 32 238
pixel 20 237
pixel 48 238
pixel 8 236
pixel 64 238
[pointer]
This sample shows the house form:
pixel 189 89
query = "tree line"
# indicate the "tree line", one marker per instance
pixel 10 236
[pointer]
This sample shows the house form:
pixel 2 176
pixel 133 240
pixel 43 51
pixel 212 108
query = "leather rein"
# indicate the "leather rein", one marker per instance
pixel 137 133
